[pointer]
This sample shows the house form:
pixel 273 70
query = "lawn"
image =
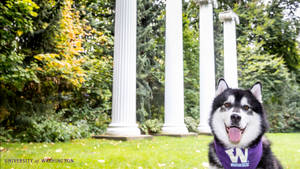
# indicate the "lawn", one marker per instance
pixel 161 152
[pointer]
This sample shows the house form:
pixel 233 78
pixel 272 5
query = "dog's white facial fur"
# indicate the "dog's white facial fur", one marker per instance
pixel 249 121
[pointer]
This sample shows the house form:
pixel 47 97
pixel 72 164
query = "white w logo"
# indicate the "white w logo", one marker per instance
pixel 238 154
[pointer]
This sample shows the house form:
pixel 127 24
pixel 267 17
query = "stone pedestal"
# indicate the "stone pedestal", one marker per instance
pixel 230 20
pixel 124 138
pixel 124 74
pixel 174 94
pixel 207 63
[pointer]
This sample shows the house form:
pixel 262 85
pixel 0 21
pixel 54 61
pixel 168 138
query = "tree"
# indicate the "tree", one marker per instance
pixel 150 55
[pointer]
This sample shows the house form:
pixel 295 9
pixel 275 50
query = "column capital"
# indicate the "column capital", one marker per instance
pixel 213 2
pixel 229 16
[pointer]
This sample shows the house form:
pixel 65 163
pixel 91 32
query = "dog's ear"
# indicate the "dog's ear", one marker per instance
pixel 222 86
pixel 256 91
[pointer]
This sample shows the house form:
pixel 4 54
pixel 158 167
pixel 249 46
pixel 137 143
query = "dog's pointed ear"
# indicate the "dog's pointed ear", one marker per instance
pixel 222 86
pixel 256 91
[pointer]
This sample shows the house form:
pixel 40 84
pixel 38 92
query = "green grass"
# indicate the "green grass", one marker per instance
pixel 161 152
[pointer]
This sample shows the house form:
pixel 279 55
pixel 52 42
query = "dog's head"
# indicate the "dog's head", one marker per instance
pixel 237 118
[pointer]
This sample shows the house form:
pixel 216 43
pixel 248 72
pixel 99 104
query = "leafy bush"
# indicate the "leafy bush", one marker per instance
pixel 284 116
pixel 56 69
pixel 51 130
pixel 191 124
pixel 5 134
pixel 280 91
pixel 151 126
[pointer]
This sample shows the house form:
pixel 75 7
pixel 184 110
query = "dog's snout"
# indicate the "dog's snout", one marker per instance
pixel 235 118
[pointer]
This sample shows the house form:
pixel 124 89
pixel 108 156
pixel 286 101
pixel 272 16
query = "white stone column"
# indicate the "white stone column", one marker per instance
pixel 230 20
pixel 174 94
pixel 207 63
pixel 124 75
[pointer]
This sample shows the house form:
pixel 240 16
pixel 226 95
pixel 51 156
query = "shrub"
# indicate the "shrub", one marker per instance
pixel 191 124
pixel 151 126
pixel 280 91
pixel 5 134
pixel 284 116
pixel 50 130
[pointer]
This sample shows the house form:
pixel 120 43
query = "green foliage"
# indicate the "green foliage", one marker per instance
pixel 151 126
pixel 5 134
pixel 191 63
pixel 96 118
pixel 16 18
pixel 280 91
pixel 275 26
pixel 269 70
pixel 150 51
pixel 284 116
pixel 44 129
pixel 55 62
pixel 51 130
pixel 191 124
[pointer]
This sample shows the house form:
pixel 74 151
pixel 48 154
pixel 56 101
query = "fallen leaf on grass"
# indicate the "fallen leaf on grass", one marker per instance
pixel 101 161
pixel 2 149
pixel 161 165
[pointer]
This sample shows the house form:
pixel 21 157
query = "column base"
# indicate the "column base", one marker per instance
pixel 117 129
pixel 174 129
pixel 123 138
pixel 178 135
pixel 204 129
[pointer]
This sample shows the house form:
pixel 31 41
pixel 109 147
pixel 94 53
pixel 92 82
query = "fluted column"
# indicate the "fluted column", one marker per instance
pixel 207 63
pixel 174 94
pixel 230 20
pixel 124 74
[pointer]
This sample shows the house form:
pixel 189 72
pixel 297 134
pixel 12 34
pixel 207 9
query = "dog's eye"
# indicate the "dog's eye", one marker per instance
pixel 245 107
pixel 227 105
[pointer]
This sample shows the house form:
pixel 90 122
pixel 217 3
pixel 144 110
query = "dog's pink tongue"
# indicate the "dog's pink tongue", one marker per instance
pixel 234 134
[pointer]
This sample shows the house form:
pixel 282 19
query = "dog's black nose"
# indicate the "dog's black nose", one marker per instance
pixel 235 118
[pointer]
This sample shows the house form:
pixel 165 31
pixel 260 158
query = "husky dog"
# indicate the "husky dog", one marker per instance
pixel 238 123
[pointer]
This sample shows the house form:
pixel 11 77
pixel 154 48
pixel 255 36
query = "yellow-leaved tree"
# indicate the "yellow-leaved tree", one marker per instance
pixel 66 62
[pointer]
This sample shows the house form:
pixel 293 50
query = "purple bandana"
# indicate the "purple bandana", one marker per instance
pixel 237 158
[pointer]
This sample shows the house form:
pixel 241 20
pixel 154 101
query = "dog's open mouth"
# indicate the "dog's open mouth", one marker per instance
pixel 234 133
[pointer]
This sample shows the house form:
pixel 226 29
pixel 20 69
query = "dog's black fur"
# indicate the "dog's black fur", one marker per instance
pixel 268 160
